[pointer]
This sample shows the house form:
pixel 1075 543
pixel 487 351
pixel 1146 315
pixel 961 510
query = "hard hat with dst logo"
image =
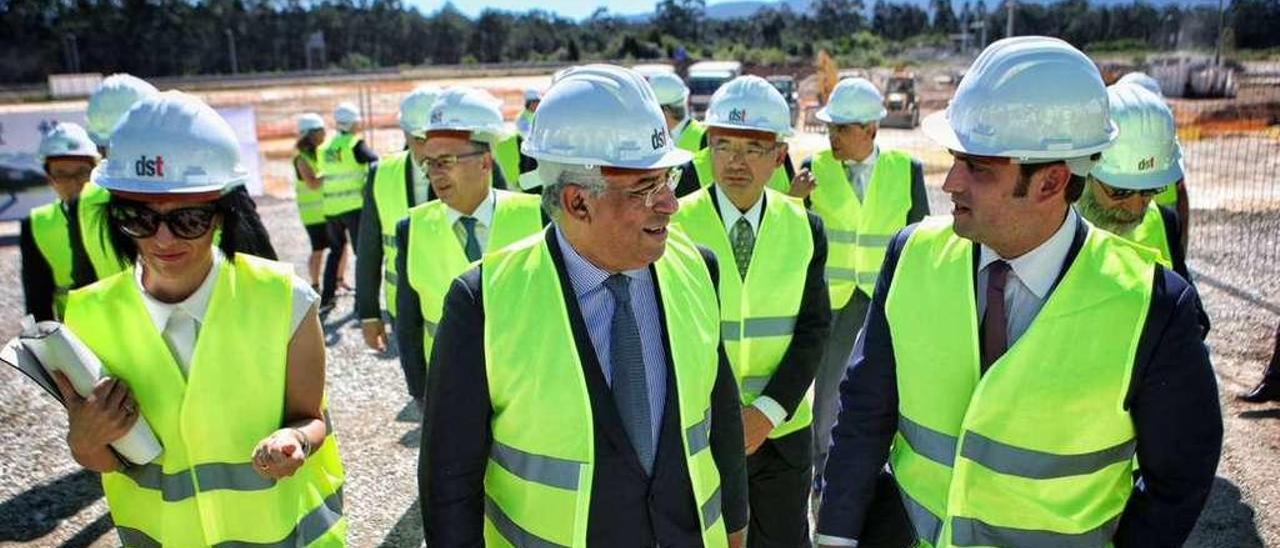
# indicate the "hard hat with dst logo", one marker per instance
pixel 309 122
pixel 415 109
pixel 66 140
pixel 110 100
pixel 468 109
pixel 602 115
pixel 172 145
pixel 1030 98
pixel 853 101
pixel 1147 154
pixel 751 103
pixel 669 88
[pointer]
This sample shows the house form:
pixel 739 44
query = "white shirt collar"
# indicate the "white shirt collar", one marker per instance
pixel 870 160
pixel 483 212
pixel 195 305
pixel 730 214
pixel 1039 268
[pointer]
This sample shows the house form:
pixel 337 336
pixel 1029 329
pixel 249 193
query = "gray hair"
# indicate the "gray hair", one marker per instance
pixel 556 176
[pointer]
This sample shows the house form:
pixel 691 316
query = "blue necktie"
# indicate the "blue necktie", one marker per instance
pixel 630 388
pixel 472 246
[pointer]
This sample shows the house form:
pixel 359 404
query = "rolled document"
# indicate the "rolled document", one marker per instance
pixel 58 349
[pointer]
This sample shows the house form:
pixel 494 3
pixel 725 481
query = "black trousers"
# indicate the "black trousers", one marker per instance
pixel 779 477
pixel 341 228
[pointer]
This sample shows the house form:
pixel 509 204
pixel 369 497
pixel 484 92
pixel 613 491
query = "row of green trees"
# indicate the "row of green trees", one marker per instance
pixel 184 37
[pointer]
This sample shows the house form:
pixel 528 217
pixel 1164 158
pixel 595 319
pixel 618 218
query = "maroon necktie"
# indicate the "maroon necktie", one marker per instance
pixel 995 322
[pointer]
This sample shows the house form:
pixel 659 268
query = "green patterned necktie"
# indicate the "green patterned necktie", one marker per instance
pixel 744 240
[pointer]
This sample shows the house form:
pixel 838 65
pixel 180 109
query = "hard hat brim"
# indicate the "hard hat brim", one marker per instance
pixel 671 158
pixel 1145 181
pixel 937 127
pixel 170 188
pixel 781 134
pixel 824 115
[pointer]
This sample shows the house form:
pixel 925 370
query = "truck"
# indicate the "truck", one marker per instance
pixel 900 101
pixel 705 77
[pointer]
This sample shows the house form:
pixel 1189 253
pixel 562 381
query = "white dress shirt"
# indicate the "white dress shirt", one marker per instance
pixel 859 173
pixel 1031 277
pixel 179 323
pixel 483 216
pixel 730 214
pixel 421 184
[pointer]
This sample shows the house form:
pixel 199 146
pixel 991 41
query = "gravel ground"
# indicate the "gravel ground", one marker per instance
pixel 46 500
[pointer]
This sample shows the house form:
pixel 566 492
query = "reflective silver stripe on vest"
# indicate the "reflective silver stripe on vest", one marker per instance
pixel 874 240
pixel 868 278
pixel 511 531
pixel 779 326
pixel 927 525
pixel 842 236
pixel 1029 463
pixel 711 510
pixel 730 331
pixel 755 385
pixel 845 274
pixel 391 277
pixel 927 442
pixel 389 240
pixel 429 326
pixel 212 476
pixel 549 471
pixel 972 532
pixel 699 435
pixel 310 528
pixel 342 194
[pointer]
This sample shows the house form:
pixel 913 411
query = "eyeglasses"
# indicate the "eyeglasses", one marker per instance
pixel 447 161
pixel 1124 193
pixel 649 194
pixel 751 153
pixel 78 176
pixel 188 223
pixel 837 128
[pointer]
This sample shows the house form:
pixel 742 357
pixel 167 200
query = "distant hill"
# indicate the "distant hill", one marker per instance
pixel 746 8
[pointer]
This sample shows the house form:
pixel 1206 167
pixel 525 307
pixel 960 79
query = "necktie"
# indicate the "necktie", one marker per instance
pixel 180 335
pixel 995 323
pixel 472 245
pixel 629 386
pixel 744 239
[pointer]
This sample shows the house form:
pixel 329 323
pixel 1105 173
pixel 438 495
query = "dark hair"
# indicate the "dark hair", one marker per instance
pixel 232 207
pixel 1075 185
pixel 305 146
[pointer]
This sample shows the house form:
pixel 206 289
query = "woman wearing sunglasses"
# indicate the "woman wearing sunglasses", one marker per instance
pixel 221 352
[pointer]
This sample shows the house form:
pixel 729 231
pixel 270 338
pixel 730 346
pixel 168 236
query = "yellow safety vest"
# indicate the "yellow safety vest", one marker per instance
pixel 393 205
pixel 1151 233
pixel 705 168
pixel 758 314
pixel 51 232
pixel 691 138
pixel 436 256
pixel 343 176
pixel 1039 450
pixel 310 201
pixel 203 490
pixel 1169 196
pixel 506 154
pixel 538 482
pixel 858 231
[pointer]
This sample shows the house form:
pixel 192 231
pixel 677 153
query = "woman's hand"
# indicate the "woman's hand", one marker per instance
pixel 280 454
pixel 103 417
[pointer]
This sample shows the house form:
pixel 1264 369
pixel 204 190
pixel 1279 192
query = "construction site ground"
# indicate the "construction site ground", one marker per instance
pixel 48 500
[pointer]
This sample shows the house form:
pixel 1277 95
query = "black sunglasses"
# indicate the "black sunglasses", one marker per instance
pixel 1123 193
pixel 139 221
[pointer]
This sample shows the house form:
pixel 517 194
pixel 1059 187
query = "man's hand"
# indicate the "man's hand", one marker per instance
pixel 738 539
pixel 375 334
pixel 755 428
pixel 802 184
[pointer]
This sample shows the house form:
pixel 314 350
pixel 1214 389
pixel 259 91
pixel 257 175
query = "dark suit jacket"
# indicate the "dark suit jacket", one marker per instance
pixel 627 508
pixel 369 248
pixel 1173 399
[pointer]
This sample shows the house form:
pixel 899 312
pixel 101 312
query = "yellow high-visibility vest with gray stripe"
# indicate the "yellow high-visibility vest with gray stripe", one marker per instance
pixel 691 137
pixel 704 166
pixel 310 201
pixel 436 256
pixel 538 482
pixel 758 314
pixel 343 176
pixel 1151 233
pixel 1168 197
pixel 858 231
pixel 1039 450
pixel 51 232
pixel 203 490
pixel 393 205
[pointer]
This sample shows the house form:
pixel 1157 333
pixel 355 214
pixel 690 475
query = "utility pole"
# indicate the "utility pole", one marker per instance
pixel 1008 22
pixel 1217 49
pixel 72 54
pixel 231 47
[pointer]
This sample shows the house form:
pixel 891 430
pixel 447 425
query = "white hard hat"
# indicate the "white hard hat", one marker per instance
pixel 309 122
pixel 560 73
pixel 1028 98
pixel 346 115
pixel 1146 155
pixel 532 94
pixel 110 100
pixel 668 88
pixel 1144 80
pixel 415 109
pixel 602 115
pixel 853 101
pixel 173 144
pixel 66 139
pixel 468 109
pixel 750 102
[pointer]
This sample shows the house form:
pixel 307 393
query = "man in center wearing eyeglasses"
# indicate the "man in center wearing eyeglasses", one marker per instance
pixel 775 312
pixel 441 238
